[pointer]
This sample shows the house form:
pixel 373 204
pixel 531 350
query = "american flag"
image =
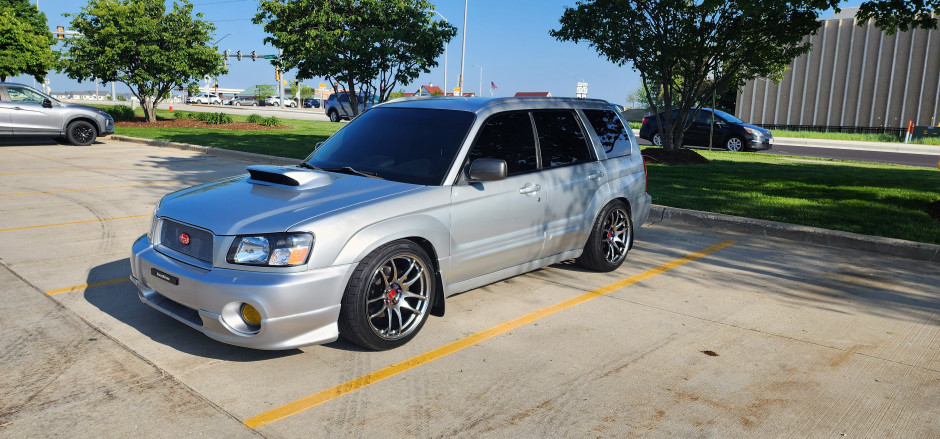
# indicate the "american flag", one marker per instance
pixel 493 85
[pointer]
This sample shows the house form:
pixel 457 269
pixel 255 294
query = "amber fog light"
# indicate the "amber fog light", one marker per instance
pixel 250 315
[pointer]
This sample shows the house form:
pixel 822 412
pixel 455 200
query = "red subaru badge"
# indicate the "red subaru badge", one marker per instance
pixel 184 239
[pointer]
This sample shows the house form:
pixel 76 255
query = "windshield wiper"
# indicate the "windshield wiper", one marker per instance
pixel 353 171
pixel 309 166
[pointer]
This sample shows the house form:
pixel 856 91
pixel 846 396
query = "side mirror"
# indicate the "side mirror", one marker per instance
pixel 488 170
pixel 47 103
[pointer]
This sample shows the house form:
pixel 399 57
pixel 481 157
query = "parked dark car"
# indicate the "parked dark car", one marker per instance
pixel 730 132
pixel 242 101
pixel 311 103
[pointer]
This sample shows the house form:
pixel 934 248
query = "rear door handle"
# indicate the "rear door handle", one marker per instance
pixel 530 188
pixel 596 175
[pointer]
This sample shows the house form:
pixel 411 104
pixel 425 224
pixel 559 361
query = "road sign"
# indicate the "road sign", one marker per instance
pixel 270 56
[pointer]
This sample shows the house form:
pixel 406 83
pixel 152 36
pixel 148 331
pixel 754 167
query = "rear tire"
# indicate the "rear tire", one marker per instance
pixel 610 240
pixel 334 116
pixel 657 140
pixel 389 296
pixel 80 133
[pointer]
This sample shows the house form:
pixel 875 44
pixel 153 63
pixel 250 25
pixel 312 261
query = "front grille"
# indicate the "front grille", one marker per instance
pixel 200 241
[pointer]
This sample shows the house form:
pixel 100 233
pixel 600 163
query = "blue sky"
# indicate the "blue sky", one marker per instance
pixel 508 38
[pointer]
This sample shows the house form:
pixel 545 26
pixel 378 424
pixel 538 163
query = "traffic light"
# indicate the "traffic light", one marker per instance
pixel 277 73
pixel 226 53
pixel 60 32
pixel 238 55
pixel 253 56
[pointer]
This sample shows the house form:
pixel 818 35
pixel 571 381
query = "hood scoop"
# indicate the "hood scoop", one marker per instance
pixel 287 177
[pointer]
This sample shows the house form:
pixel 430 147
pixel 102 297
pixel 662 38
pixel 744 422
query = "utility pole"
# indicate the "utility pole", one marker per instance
pixel 280 84
pixel 463 50
pixel 481 79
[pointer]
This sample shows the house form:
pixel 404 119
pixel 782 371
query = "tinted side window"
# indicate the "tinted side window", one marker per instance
pixel 561 139
pixel 507 136
pixel 610 131
pixel 704 117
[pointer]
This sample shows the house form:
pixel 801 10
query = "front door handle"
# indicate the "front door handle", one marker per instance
pixel 596 175
pixel 530 188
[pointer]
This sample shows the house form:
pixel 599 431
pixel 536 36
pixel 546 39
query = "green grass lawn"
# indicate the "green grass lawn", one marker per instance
pixel 872 199
pixel 296 142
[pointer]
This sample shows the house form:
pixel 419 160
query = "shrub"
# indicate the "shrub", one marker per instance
pixel 215 118
pixel 270 121
pixel 180 115
pixel 254 118
pixel 120 112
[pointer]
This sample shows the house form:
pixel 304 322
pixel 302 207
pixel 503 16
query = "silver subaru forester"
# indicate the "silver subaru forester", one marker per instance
pixel 413 201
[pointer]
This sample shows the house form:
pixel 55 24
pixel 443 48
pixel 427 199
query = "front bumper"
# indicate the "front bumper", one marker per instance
pixel 760 143
pixel 297 309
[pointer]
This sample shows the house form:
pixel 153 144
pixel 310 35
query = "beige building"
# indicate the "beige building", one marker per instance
pixel 855 79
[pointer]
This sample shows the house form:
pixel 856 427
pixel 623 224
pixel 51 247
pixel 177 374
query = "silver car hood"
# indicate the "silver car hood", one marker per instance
pixel 246 205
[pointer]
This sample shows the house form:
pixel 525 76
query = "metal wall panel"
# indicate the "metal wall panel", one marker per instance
pixel 853 76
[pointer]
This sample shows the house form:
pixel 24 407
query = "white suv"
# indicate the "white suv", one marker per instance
pixel 204 98
pixel 274 101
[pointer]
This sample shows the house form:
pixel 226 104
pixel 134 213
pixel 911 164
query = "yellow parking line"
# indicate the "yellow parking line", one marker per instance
pixel 73 222
pixel 106 187
pixel 316 399
pixel 86 286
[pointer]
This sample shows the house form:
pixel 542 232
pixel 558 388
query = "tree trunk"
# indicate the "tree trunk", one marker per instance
pixel 150 109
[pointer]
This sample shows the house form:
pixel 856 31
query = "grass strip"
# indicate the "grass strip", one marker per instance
pixel 867 198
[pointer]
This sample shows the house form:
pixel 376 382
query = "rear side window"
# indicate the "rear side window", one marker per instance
pixel 509 137
pixel 561 139
pixel 610 131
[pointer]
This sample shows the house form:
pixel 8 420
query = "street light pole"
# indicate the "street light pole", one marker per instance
pixel 481 79
pixel 445 53
pixel 463 50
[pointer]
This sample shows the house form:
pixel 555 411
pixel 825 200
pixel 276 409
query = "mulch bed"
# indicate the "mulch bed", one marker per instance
pixel 140 122
pixel 681 156
pixel 933 209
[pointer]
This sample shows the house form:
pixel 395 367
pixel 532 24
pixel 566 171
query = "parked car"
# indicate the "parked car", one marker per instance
pixel 25 111
pixel 730 132
pixel 204 98
pixel 276 102
pixel 413 201
pixel 337 105
pixel 311 103
pixel 242 101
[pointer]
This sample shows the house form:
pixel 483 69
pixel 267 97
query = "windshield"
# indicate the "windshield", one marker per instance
pixel 727 117
pixel 410 145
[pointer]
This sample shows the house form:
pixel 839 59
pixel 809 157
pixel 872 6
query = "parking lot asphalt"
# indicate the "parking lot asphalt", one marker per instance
pixel 704 332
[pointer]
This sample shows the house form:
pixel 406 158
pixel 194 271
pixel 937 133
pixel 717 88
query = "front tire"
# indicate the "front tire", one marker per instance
pixel 610 240
pixel 734 144
pixel 388 297
pixel 334 116
pixel 80 133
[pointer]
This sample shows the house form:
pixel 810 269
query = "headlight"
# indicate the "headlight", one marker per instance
pixel 754 133
pixel 277 249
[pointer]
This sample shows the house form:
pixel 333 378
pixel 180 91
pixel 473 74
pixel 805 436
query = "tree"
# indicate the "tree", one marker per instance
pixel 681 44
pixel 140 44
pixel 894 15
pixel 25 41
pixel 369 46
pixel 265 90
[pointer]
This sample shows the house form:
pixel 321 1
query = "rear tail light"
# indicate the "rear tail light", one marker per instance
pixel 645 119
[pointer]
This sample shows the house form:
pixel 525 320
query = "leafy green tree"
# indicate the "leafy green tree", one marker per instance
pixel 140 44
pixel 25 41
pixel 679 45
pixel 894 15
pixel 366 45
pixel 265 90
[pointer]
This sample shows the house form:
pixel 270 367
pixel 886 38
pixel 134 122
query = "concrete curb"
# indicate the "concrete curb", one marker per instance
pixel 218 152
pixel 793 232
pixel 809 235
